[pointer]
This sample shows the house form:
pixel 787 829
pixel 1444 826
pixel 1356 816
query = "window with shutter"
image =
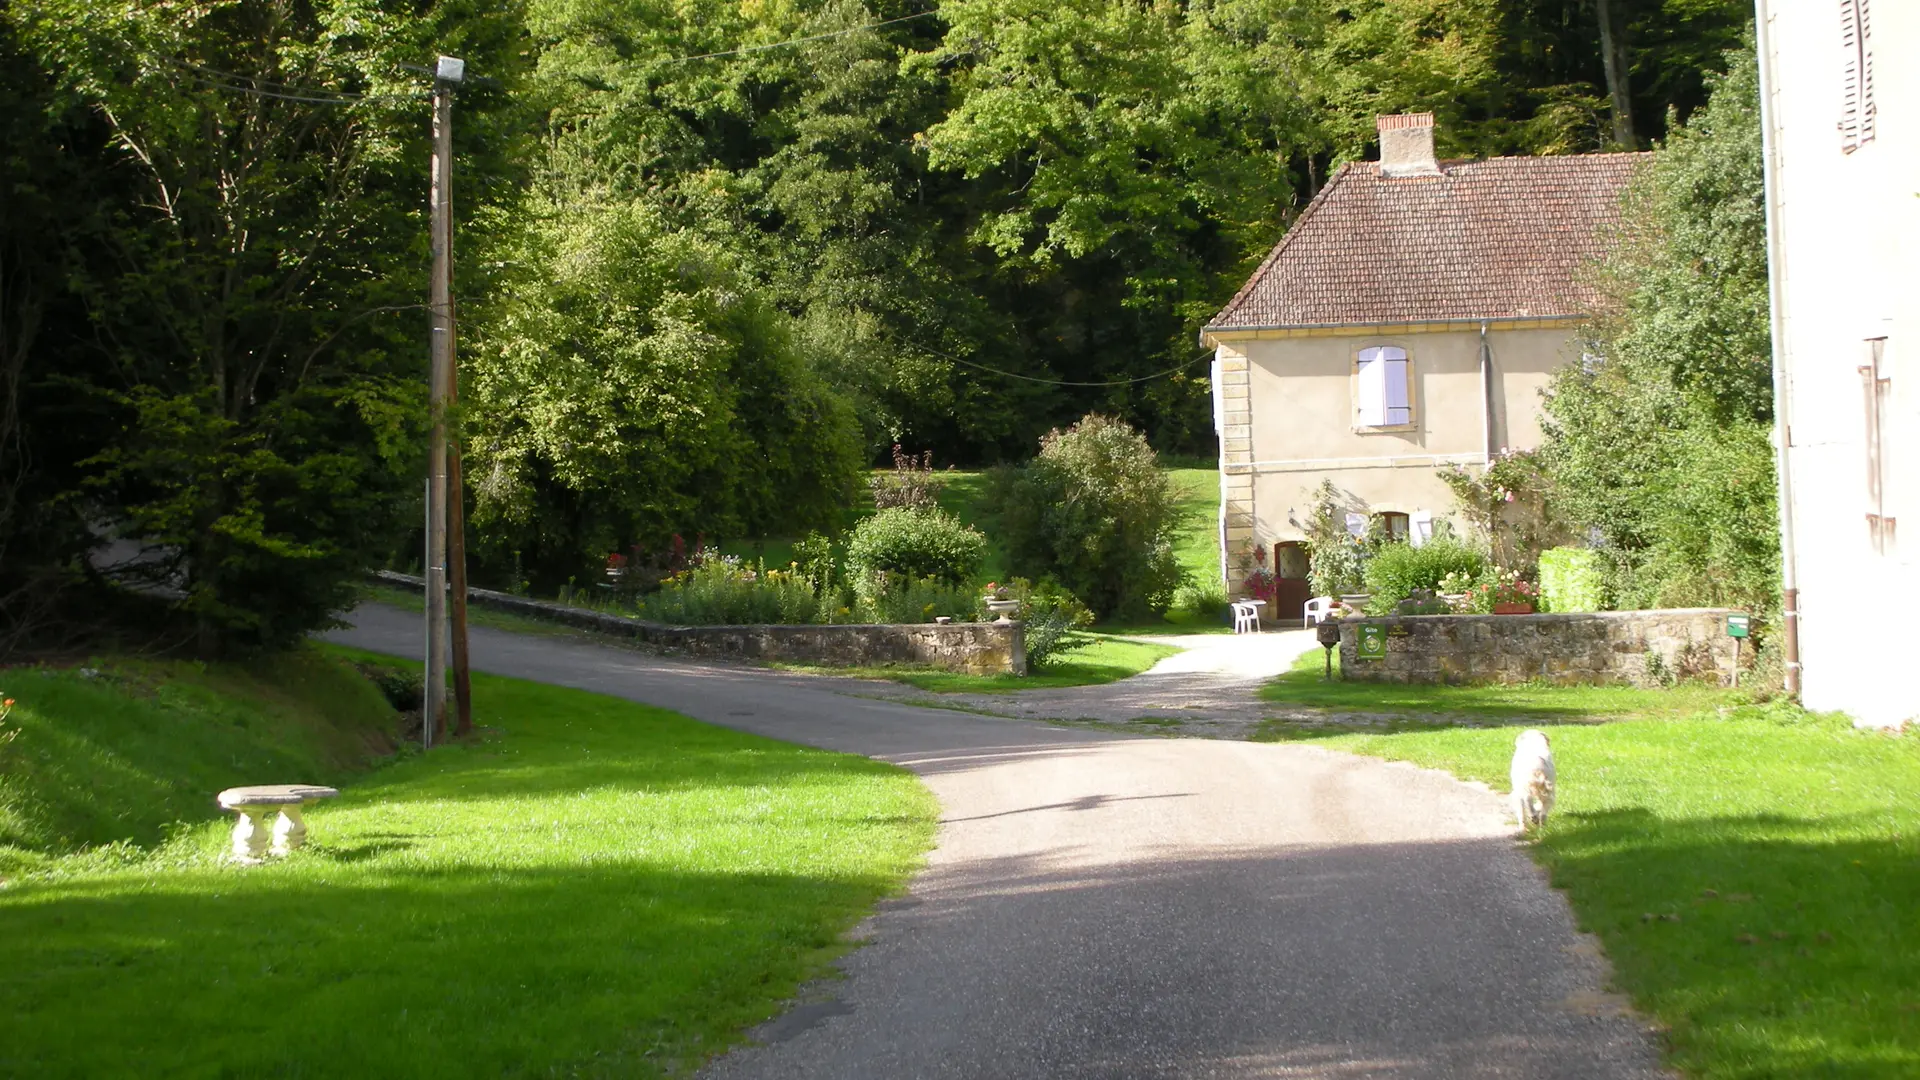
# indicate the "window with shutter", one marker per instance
pixel 1857 110
pixel 1383 387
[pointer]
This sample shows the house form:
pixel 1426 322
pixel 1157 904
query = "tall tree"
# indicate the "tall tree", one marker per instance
pixel 254 332
pixel 1660 444
pixel 1613 58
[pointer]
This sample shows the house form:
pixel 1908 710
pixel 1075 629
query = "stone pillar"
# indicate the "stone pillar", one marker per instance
pixel 289 830
pixel 250 834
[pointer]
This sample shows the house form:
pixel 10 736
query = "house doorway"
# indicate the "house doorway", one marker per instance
pixel 1290 592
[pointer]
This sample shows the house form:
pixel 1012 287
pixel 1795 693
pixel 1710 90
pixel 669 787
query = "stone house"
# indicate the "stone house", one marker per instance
pixel 1842 113
pixel 1405 324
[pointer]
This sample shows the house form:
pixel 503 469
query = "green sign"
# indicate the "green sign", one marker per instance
pixel 1737 625
pixel 1373 642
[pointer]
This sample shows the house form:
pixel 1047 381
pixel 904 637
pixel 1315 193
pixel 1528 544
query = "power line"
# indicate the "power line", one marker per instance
pixel 315 98
pixel 1069 382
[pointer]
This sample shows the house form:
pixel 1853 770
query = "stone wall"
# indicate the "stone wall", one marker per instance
pixel 1633 647
pixel 974 648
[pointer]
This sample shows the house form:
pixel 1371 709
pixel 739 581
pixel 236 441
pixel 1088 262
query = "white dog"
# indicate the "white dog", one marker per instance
pixel 1532 778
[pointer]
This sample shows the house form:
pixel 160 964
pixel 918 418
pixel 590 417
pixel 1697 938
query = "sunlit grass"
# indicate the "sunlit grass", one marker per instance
pixel 1750 869
pixel 592 887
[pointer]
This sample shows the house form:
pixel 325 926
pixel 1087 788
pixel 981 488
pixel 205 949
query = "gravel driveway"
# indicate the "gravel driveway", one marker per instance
pixel 1207 689
pixel 1106 906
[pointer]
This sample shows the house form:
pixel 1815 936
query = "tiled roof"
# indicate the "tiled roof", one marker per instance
pixel 1504 238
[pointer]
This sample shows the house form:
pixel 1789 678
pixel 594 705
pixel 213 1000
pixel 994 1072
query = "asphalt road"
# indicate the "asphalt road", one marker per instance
pixel 1105 906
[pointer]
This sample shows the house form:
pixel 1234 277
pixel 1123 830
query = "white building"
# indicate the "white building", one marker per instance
pixel 1842 86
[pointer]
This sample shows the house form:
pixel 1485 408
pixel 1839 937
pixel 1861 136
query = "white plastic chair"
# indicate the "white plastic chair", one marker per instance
pixel 1317 609
pixel 1246 616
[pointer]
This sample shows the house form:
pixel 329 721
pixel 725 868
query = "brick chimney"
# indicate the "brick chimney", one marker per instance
pixel 1406 145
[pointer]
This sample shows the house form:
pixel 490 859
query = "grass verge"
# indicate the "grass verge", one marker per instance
pixel 1751 871
pixel 1101 659
pixel 119 751
pixel 594 887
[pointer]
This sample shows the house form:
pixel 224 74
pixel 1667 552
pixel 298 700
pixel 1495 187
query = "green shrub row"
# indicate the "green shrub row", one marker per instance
pixel 1395 570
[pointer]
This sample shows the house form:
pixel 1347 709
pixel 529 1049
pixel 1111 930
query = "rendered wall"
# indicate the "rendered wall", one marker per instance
pixel 1287 412
pixel 1848 224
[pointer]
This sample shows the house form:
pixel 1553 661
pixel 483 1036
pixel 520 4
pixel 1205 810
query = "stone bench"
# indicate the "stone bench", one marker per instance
pixel 289 828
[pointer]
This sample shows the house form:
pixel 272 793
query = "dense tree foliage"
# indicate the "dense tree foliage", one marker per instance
pixel 714 257
pixel 1660 444
pixel 225 384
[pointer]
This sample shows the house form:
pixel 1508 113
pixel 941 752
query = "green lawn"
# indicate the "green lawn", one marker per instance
pixel 1305 686
pixel 1750 869
pixel 593 888
pixel 1102 659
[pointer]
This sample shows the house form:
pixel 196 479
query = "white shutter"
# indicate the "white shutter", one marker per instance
pixel 1399 395
pixel 1371 388
pixel 1857 109
pixel 1422 528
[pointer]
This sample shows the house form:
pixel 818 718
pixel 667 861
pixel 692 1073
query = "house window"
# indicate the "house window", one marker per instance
pixel 1857 109
pixel 1875 389
pixel 1395 526
pixel 1383 387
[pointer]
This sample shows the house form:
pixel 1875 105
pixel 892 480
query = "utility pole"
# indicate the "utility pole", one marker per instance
pixel 447 74
pixel 457 564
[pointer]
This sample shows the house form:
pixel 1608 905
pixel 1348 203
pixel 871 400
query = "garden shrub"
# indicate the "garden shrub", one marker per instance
pixel 1336 560
pixel 912 485
pixel 1050 614
pixel 915 600
pixel 725 592
pixel 1202 602
pixel 1396 570
pixel 813 560
pixel 1572 579
pixel 913 544
pixel 1094 512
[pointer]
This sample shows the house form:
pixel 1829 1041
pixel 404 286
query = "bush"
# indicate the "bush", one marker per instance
pixel 1336 560
pixel 813 560
pixel 912 485
pixel 1094 512
pixel 1050 614
pixel 1396 570
pixel 1202 602
pixel 914 544
pixel 724 592
pixel 1572 579
pixel 918 600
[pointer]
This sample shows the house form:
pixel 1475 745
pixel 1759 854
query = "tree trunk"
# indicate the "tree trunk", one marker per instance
pixel 1613 57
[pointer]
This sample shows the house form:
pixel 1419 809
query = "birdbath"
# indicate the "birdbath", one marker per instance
pixel 1003 607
